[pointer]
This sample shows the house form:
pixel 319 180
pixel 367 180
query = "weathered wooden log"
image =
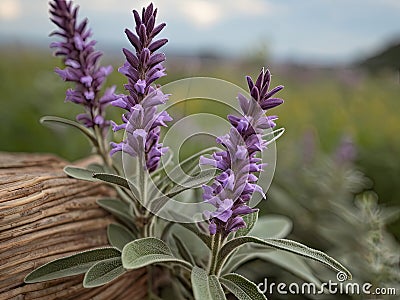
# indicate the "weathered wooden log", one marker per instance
pixel 46 215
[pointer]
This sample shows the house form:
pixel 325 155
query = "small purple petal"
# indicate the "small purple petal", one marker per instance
pixel 270 103
pixel 86 80
pixel 89 95
pixel 140 86
pixel 212 228
pixel 78 42
pixel 235 224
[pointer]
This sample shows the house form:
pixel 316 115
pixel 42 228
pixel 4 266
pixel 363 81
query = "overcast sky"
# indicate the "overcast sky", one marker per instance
pixel 311 30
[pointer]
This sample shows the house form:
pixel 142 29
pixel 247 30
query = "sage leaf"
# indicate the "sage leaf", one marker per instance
pixel 119 236
pixel 272 226
pixel 195 246
pixel 216 289
pixel 113 179
pixel 103 272
pixel 193 228
pixel 250 221
pixel 118 208
pixel 147 251
pixel 282 244
pixel 183 250
pixel 96 168
pixel 206 287
pixel 241 256
pixel 118 180
pixel 241 287
pixel 79 173
pixel 71 265
pixel 293 263
pixel 57 120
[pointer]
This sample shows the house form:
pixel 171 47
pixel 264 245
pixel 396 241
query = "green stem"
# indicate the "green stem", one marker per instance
pixel 142 179
pixel 215 248
pixel 101 148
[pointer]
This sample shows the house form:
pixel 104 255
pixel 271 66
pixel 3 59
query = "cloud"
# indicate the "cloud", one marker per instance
pixel 10 10
pixel 202 13
pixel 199 13
pixel 205 13
pixel 252 7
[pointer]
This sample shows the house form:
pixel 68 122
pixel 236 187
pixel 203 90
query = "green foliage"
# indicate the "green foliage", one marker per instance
pixel 51 121
pixel 241 287
pixel 103 272
pixel 206 287
pixel 119 209
pixel 148 251
pixel 79 173
pixel 315 99
pixel 285 245
pixel 195 229
pixel 183 250
pixel 320 197
pixel 202 272
pixel 272 226
pixel 113 179
pixel 119 236
pixel 71 265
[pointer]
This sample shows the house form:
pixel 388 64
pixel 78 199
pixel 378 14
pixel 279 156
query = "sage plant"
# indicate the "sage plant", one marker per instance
pixel 233 188
pixel 82 67
pixel 142 68
pixel 140 238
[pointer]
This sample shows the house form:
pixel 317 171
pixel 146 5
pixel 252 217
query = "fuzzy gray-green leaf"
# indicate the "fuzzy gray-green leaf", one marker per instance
pixel 117 180
pixel 96 168
pixel 282 244
pixel 193 228
pixel 206 287
pixel 119 236
pixel 216 289
pixel 57 120
pixel 183 250
pixel 103 272
pixel 293 263
pixel 118 208
pixel 79 173
pixel 147 251
pixel 113 179
pixel 71 265
pixel 241 287
pixel 272 226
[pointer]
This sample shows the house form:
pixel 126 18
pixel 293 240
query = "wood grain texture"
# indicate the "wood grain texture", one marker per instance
pixel 46 215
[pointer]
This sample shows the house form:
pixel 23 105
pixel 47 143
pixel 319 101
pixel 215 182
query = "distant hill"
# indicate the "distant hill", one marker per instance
pixel 386 59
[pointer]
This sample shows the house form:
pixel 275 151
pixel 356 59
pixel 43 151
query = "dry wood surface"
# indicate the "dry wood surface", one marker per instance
pixel 46 215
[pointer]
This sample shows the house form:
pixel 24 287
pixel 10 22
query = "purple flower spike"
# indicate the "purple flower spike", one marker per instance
pixel 142 68
pixel 233 187
pixel 82 67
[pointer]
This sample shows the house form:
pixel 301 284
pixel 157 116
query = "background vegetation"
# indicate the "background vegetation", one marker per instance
pixel 327 104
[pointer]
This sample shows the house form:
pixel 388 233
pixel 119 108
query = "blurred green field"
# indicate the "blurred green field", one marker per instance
pixel 330 103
